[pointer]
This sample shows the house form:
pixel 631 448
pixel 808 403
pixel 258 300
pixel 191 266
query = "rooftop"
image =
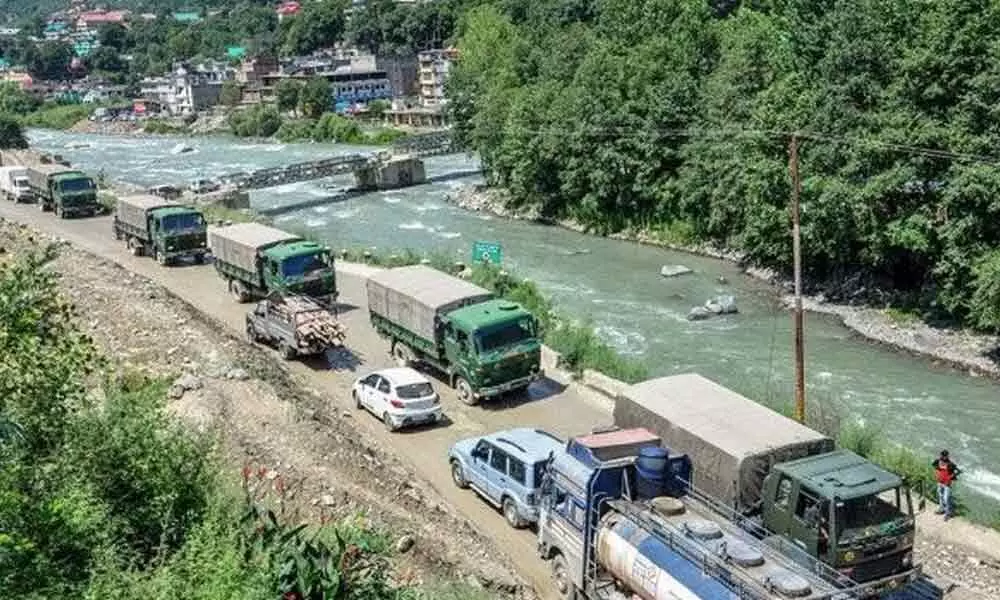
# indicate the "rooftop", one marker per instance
pixel 532 445
pixel 842 474
pixel 487 314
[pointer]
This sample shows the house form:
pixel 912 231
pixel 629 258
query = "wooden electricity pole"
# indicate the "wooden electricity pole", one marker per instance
pixel 800 378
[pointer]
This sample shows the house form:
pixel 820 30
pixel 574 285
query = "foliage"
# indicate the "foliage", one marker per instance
pixel 11 133
pixel 332 127
pixel 317 26
pixel 377 108
pixel 57 116
pixel 162 126
pixel 257 121
pixel 231 94
pixel 287 94
pixel 385 27
pixel 640 115
pixel 15 101
pixel 315 98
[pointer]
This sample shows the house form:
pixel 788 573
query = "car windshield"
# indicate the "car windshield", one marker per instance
pixel 307 264
pixel 83 184
pixel 183 221
pixel 414 390
pixel 505 335
pixel 860 513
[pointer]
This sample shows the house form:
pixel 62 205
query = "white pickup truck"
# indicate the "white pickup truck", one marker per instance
pixel 14 184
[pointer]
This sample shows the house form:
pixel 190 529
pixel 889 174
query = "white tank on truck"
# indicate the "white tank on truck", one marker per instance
pixel 485 346
pixel 160 228
pixel 257 260
pixel 792 484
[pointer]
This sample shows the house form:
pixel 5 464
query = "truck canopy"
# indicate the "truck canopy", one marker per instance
pixel 732 441
pixel 414 297
pixel 239 244
pixel 134 209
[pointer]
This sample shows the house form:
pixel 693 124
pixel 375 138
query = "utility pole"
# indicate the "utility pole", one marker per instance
pixel 800 378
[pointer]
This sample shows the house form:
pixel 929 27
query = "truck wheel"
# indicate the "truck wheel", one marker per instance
pixel 511 515
pixel 251 333
pixel 59 211
pixel 457 475
pixel 118 234
pixel 135 247
pixel 561 578
pixel 41 206
pixel 464 391
pixel 402 354
pixel 238 292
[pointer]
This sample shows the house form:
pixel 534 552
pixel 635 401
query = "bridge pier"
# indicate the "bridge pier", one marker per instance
pixel 396 172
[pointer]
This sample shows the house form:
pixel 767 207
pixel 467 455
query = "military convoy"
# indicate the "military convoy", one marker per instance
pixel 484 345
pixel 256 260
pixel 162 229
pixel 64 190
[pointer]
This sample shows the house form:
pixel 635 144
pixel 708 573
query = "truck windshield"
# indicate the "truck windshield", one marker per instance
pixel 184 221
pixel 83 184
pixel 505 335
pixel 862 517
pixel 305 265
pixel 21 183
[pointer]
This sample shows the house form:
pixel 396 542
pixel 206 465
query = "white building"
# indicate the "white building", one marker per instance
pixel 188 88
pixel 434 68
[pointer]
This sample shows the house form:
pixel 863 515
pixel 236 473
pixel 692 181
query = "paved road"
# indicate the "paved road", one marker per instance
pixel 552 406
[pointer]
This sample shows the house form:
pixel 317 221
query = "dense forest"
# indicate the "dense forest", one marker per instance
pixel 673 117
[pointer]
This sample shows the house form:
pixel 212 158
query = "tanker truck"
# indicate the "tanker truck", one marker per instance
pixel 256 260
pixel 617 521
pixel 162 229
pixel 783 481
pixel 485 346
pixel 67 191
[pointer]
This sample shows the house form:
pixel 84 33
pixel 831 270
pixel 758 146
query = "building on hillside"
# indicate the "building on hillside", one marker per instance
pixel 288 9
pixel 23 80
pixel 402 74
pixel 55 30
pixel 96 18
pixel 250 76
pixel 434 68
pixel 189 88
pixel 187 16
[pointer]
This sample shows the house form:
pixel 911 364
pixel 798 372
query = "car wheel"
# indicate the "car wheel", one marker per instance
pixel 287 352
pixel 457 475
pixel 464 391
pixel 387 421
pixel 357 399
pixel 510 513
pixel 560 576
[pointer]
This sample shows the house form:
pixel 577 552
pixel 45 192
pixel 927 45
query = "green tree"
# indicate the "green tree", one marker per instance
pixel 287 94
pixel 231 93
pixel 51 61
pixel 15 101
pixel 378 108
pixel 315 98
pixel 114 36
pixel 319 25
pixel 11 134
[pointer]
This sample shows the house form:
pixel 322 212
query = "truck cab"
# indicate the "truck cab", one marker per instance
pixel 21 191
pixel 300 267
pixel 493 348
pixel 845 511
pixel 73 194
pixel 178 231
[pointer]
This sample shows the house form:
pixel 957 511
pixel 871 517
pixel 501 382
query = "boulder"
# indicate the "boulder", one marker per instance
pixel 674 270
pixel 699 313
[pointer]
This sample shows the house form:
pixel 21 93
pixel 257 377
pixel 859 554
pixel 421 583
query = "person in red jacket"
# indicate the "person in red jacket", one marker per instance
pixel 946 472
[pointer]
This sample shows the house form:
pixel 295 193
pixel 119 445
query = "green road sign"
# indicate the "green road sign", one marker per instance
pixel 490 252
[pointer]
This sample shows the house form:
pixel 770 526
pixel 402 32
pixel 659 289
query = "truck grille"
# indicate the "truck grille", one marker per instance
pixel 187 242
pixel 874 569
pixel 314 288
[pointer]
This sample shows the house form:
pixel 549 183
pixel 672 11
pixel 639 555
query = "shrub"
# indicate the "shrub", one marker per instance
pixel 257 121
pixel 57 116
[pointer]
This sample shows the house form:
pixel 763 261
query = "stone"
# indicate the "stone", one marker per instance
pixel 237 374
pixel 188 382
pixel 674 270
pixel 327 500
pixel 698 313
pixel 404 544
pixel 175 392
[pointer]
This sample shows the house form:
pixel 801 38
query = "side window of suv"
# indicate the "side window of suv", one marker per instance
pixel 516 470
pixel 498 460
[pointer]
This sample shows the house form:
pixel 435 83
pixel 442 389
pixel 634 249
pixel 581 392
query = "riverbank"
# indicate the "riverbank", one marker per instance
pixel 978 354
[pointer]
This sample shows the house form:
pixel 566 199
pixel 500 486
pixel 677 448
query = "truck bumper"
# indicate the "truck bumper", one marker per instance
pixel 514 384
pixel 194 252
pixel 886 586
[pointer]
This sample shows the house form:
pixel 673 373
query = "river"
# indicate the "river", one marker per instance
pixel 615 285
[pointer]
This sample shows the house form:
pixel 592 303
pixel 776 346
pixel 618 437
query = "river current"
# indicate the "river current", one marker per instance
pixel 612 284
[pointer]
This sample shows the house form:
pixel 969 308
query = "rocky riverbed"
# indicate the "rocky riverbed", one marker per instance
pixel 977 353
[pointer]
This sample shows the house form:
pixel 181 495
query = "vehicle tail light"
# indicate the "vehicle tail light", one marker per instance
pixel 397 403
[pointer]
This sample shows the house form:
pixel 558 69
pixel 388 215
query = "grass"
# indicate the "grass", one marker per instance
pixel 57 116
pixel 160 126
pixel 215 212
pixel 902 316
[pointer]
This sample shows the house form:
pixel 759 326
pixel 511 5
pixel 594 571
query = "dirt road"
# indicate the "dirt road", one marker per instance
pixel 554 406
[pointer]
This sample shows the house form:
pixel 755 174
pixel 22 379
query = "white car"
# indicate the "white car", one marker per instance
pixel 399 397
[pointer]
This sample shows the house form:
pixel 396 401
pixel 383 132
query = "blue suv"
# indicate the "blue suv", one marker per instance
pixel 506 468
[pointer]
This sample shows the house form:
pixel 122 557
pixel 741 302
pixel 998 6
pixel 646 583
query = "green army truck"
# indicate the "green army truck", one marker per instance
pixel 67 191
pixel 163 229
pixel 257 260
pixel 484 345
pixel 784 481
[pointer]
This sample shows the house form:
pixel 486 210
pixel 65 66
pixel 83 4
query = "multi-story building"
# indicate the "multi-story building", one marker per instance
pixel 434 68
pixel 188 88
